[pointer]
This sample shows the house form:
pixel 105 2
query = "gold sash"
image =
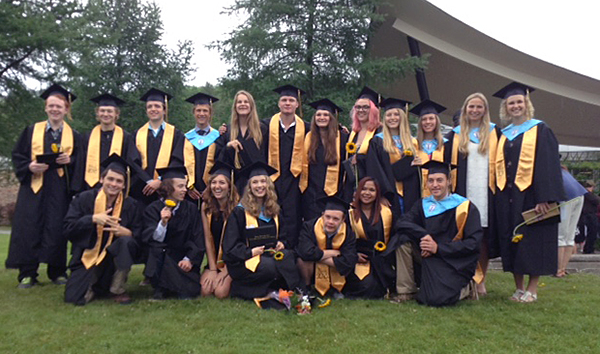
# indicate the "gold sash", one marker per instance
pixel 211 240
pixel 364 146
pixel 492 145
pixel 92 166
pixel 166 145
pixel 252 222
pixel 437 155
pixel 297 153
pixel 396 156
pixel 326 276
pixel 37 148
pixel 462 213
pixel 363 269
pixel 333 171
pixel 524 176
pixel 189 159
pixel 93 256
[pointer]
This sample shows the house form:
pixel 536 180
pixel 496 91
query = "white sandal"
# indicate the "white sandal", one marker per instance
pixel 528 297
pixel 518 294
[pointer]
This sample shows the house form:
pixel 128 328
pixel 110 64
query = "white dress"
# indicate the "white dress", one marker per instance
pixel 477 181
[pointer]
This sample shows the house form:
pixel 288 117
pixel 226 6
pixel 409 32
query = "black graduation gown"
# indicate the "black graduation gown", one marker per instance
pixel 183 239
pixel 37 227
pixel 81 231
pixel 144 175
pixel 269 275
pixel 200 163
pixel 317 173
pixel 445 273
pixel 247 156
pixel 286 185
pixel 128 151
pixel 383 275
pixel 537 253
pixel 380 168
pixel 308 248
pixel 461 189
pixel 350 181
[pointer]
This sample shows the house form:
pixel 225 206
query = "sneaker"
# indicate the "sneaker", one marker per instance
pixel 122 299
pixel 400 298
pixel 158 295
pixel 62 280
pixel 27 283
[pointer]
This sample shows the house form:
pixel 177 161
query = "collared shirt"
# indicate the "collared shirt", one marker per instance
pixel 155 132
pixel 288 128
pixel 204 131
pixel 161 230
pixel 55 133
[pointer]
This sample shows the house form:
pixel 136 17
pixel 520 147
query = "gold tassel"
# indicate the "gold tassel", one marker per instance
pixel 128 182
pixel 300 103
pixel 166 109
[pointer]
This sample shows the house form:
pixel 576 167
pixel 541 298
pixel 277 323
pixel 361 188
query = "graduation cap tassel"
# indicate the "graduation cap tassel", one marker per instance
pixel 69 115
pixel 167 109
pixel 300 103
pixel 128 182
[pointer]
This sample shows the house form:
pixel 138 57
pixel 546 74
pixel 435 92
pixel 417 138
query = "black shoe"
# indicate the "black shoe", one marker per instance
pixel 62 280
pixel 27 282
pixel 158 295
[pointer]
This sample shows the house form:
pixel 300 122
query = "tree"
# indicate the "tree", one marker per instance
pixel 319 45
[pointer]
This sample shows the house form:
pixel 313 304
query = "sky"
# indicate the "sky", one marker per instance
pixel 562 35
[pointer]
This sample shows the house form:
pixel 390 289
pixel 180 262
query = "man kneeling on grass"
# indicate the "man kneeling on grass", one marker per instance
pixel 447 230
pixel 102 225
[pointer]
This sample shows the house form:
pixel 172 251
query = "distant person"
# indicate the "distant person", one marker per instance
pixel 569 218
pixel 589 218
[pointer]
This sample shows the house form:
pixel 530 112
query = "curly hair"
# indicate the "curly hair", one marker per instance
pixel 328 140
pixel 357 203
pixel 166 188
pixel 507 119
pixel 404 131
pixel 212 202
pixel 374 121
pixel 252 205
pixel 465 126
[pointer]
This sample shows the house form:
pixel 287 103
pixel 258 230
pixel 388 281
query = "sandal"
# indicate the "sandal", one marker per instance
pixel 528 297
pixel 517 295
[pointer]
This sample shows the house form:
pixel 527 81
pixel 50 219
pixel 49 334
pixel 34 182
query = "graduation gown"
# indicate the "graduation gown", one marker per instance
pixel 37 227
pixel 382 273
pixel 350 180
pixel 147 174
pixel 270 273
pixel 82 232
pixel 460 187
pixel 129 152
pixel 183 239
pixel 247 156
pixel 381 168
pixel 317 173
pixel 445 273
pixel 537 253
pixel 308 248
pixel 205 154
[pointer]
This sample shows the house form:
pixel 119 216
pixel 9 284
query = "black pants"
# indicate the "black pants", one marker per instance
pixel 30 270
pixel 591 222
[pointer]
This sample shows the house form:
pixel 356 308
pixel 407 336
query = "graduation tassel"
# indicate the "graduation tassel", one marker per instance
pixel 300 103
pixel 69 115
pixel 167 109
pixel 128 182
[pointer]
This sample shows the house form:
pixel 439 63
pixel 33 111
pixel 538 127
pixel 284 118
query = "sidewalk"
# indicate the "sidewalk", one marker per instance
pixel 579 263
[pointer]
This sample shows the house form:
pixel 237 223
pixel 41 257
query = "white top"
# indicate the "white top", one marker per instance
pixel 477 181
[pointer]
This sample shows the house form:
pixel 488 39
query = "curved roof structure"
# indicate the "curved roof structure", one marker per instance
pixel 464 60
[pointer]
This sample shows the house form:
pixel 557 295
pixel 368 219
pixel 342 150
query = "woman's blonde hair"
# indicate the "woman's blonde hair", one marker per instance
pixel 270 205
pixel 388 142
pixel 507 119
pixel 437 133
pixel 465 126
pixel 253 121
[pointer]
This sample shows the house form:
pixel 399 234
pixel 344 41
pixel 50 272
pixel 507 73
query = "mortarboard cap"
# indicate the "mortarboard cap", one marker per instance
pixel 155 95
pixel 106 99
pixel 115 163
pixel 221 168
pixel 202 98
pixel 390 103
pixel 512 89
pixel 334 203
pixel 371 94
pixel 438 167
pixel 326 105
pixel 289 90
pixel 258 168
pixel 56 89
pixel 427 106
pixel 172 172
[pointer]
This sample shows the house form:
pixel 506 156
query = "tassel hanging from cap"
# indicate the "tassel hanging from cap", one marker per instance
pixel 166 109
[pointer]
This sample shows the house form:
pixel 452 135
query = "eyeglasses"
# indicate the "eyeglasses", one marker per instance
pixel 363 108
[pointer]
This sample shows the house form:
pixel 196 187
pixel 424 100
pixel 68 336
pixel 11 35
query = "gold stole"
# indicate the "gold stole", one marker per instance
pixel 524 175
pixel 92 166
pixel 333 171
pixel 396 156
pixel 211 240
pixel 189 159
pixel 363 269
pixel 437 155
pixel 37 148
pixel 166 145
pixel 252 222
pixel 326 276
pixel 462 212
pixel 364 146
pixel 92 257
pixel 297 153
pixel 492 145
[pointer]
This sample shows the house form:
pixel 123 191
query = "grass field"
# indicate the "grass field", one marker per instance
pixel 564 320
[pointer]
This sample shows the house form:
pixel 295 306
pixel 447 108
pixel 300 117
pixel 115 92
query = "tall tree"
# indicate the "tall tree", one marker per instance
pixel 319 45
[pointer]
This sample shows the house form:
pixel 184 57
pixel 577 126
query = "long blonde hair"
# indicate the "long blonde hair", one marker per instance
pixel 251 204
pixel 529 110
pixel 437 133
pixel 465 126
pixel 253 121
pixel 407 142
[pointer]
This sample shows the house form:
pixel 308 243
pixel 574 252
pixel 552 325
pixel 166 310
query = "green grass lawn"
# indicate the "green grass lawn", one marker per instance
pixel 564 320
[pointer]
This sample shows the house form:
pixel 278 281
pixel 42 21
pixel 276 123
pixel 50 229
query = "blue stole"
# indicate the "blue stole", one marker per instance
pixel 512 131
pixel 395 138
pixel 202 141
pixel 432 207
pixel 262 216
pixel 429 146
pixel 474 133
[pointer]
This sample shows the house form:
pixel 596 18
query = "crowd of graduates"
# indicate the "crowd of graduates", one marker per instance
pixel 314 207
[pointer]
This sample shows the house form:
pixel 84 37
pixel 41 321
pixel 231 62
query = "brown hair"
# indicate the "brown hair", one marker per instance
pixel 437 133
pixel 357 204
pixel 212 202
pixel 328 139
